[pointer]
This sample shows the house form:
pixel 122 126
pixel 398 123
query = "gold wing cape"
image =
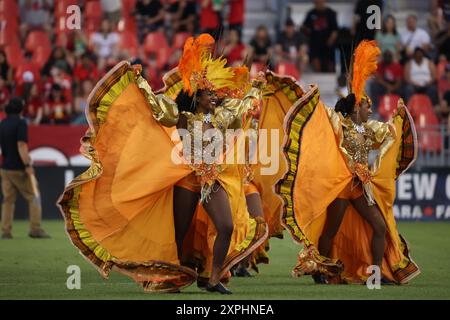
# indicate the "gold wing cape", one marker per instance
pixel 317 171
pixel 119 213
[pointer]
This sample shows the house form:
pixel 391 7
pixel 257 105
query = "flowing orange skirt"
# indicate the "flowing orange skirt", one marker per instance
pixel 318 173
pixel 119 213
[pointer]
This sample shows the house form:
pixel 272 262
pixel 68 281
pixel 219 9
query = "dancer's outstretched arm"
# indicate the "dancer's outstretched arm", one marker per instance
pixel 165 110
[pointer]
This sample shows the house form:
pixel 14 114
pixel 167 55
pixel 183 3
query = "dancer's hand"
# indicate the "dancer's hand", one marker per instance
pixel 29 170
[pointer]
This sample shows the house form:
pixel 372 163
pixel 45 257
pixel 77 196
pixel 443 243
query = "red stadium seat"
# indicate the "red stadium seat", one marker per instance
pixel 9 37
pixel 93 9
pixel 14 55
pixel 179 40
pixel 128 7
pixel 37 39
pixel 127 24
pixel 91 26
pixel 129 43
pixel 93 14
pixel 419 102
pixel 40 56
pixel 162 57
pixel 10 7
pixel 8 22
pixel 388 104
pixel 61 7
pixel 426 122
pixel 288 69
pixel 155 41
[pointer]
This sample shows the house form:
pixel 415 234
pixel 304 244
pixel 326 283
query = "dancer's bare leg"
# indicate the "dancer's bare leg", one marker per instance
pixel 335 214
pixel 219 210
pixel 254 205
pixel 184 204
pixel 374 217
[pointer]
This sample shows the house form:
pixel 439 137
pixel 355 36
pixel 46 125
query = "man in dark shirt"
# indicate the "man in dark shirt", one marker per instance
pixel 321 27
pixel 360 29
pixel 291 46
pixel 149 15
pixel 17 173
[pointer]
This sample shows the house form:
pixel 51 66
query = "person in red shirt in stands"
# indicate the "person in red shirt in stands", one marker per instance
pixel 59 77
pixel 234 50
pixel 443 108
pixel 210 17
pixel 236 15
pixel 34 106
pixel 57 110
pixel 388 78
pixel 85 70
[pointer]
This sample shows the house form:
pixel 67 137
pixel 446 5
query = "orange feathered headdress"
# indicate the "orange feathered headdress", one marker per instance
pixel 365 62
pixel 199 70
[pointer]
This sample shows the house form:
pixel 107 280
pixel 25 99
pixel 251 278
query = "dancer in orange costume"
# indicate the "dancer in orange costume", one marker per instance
pixel 279 94
pixel 124 212
pixel 336 204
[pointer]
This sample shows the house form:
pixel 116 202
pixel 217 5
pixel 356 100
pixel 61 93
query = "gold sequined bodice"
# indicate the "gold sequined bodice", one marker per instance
pixel 196 127
pixel 358 145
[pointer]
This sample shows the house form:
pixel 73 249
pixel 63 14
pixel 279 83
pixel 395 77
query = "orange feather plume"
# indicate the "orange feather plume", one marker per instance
pixel 364 65
pixel 190 61
pixel 241 76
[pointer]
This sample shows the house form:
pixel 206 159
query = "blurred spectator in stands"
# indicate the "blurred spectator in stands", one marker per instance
pixel 57 109
pixel 436 20
pixel 5 94
pixel 80 105
pixel 291 46
pixel 321 27
pixel 183 15
pixel 444 81
pixel 85 69
pixel 443 109
pixel 420 76
pixel 260 46
pixel 211 17
pixel 80 43
pixel 34 15
pixel 445 6
pixel 149 16
pixel 236 15
pixel 64 80
pixel 34 106
pixel 388 78
pixel 413 37
pixel 6 72
pixel 361 15
pixel 443 41
pixel 26 75
pixel 112 10
pixel 235 51
pixel 388 37
pixel 59 59
pixel 105 43
pixel 342 88
pixel 440 66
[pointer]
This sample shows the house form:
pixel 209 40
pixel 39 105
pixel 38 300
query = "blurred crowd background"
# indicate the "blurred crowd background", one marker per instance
pixel 54 68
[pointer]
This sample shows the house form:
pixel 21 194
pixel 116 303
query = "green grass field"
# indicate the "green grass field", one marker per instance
pixel 36 269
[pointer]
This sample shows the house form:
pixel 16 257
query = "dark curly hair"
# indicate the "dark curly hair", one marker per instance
pixel 185 102
pixel 346 105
